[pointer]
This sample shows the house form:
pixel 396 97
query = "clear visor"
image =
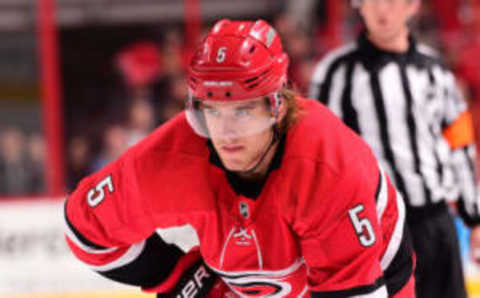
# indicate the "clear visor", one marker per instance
pixel 356 3
pixel 229 119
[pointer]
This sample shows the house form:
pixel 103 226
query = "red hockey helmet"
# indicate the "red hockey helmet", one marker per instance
pixel 237 61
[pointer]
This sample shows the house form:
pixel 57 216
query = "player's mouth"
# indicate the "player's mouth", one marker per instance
pixel 232 148
pixel 382 21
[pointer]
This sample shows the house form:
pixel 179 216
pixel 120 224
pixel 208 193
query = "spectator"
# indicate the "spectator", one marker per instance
pixel 141 69
pixel 36 157
pixel 140 64
pixel 177 95
pixel 78 160
pixel 141 121
pixel 16 173
pixel 173 54
pixel 114 144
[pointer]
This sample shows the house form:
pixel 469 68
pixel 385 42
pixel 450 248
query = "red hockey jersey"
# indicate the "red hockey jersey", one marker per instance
pixel 327 221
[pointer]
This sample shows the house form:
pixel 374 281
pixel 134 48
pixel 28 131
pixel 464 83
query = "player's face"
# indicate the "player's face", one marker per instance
pixel 240 131
pixel 387 19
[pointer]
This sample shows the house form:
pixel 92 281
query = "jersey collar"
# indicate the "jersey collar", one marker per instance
pixel 248 189
pixel 375 58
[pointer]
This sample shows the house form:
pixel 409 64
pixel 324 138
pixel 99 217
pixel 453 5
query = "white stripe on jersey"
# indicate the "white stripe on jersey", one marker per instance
pixel 71 235
pixel 304 292
pixel 379 293
pixel 130 255
pixel 259 251
pixel 397 235
pixel 222 255
pixel 382 199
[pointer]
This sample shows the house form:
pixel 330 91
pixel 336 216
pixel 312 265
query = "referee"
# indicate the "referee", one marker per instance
pixel 399 97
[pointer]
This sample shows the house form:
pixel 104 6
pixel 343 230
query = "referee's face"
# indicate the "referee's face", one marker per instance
pixel 386 20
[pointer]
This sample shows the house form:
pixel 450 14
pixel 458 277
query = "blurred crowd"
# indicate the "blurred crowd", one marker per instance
pixel 152 84
pixel 150 90
pixel 22 160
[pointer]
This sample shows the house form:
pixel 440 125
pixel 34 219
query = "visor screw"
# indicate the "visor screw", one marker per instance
pixel 228 94
pixel 209 94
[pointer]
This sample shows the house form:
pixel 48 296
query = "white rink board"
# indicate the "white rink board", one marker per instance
pixel 34 256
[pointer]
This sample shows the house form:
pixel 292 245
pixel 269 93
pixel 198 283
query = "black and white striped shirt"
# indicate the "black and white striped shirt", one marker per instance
pixel 400 104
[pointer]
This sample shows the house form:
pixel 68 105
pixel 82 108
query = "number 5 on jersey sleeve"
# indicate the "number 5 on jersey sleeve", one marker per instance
pixel 97 194
pixel 363 227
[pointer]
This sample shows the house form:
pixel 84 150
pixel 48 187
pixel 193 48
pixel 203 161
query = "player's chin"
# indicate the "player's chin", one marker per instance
pixel 233 165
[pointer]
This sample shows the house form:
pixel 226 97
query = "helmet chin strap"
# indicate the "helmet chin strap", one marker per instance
pixel 274 139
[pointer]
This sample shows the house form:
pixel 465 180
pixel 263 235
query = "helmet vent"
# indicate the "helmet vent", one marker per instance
pixel 252 49
pixel 257 80
pixel 251 80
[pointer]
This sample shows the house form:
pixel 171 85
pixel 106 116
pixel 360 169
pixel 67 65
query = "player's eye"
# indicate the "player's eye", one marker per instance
pixel 242 113
pixel 211 111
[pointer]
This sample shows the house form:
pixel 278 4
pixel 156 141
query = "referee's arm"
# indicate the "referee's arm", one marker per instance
pixel 459 132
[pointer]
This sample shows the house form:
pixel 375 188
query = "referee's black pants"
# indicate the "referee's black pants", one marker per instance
pixel 439 271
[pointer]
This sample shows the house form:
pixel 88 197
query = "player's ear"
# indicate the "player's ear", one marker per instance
pixel 282 109
pixel 278 106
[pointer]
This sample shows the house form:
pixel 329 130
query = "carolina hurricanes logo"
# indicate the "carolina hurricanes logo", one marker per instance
pixel 258 287
pixel 289 282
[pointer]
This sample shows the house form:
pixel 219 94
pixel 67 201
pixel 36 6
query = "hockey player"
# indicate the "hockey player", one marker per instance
pixel 286 200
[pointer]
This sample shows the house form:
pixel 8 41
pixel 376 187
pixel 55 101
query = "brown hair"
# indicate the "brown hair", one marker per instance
pixel 293 109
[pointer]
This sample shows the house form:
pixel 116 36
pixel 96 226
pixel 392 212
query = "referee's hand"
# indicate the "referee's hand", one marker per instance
pixel 475 244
